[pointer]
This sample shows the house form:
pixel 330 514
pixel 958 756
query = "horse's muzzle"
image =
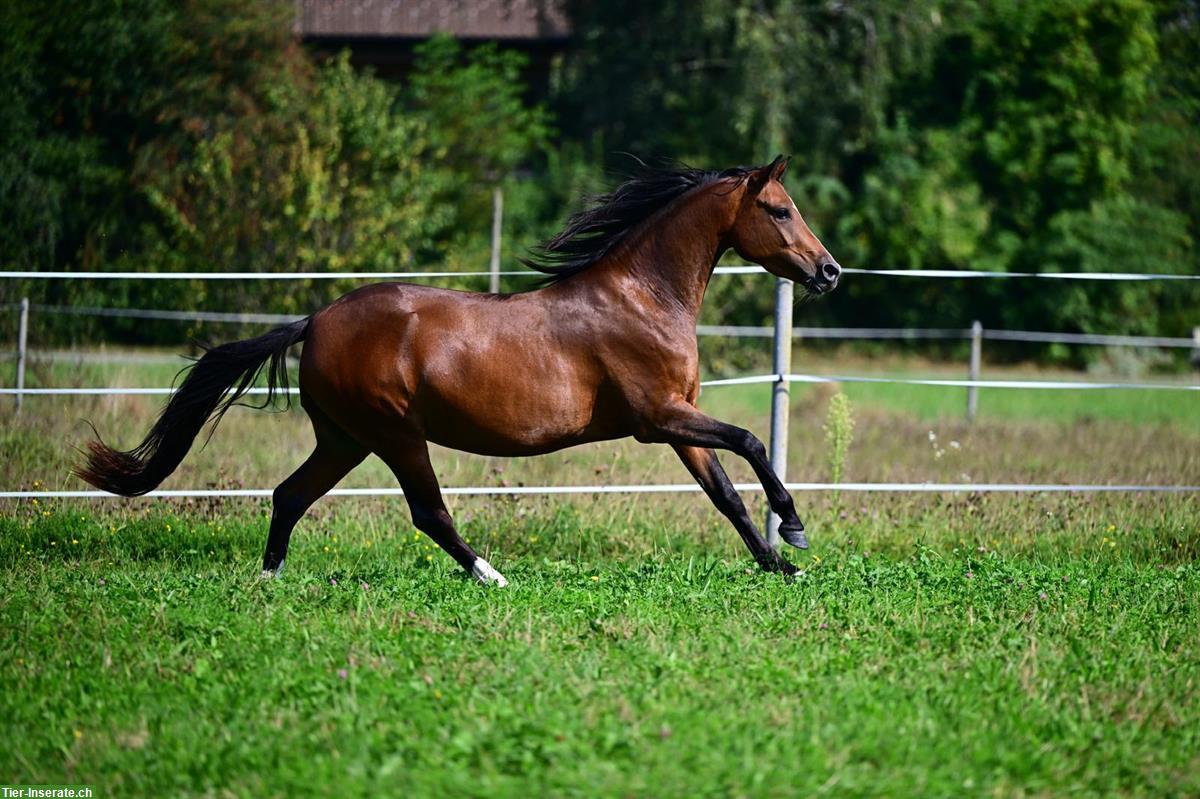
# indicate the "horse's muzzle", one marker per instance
pixel 825 280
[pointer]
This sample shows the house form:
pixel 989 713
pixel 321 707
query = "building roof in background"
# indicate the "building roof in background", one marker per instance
pixel 418 19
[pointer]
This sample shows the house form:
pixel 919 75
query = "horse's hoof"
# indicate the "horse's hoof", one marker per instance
pixel 482 571
pixel 794 535
pixel 272 574
pixel 774 563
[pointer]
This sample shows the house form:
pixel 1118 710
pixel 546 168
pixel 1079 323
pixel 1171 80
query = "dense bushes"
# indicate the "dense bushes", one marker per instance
pixel 154 135
pixel 1000 135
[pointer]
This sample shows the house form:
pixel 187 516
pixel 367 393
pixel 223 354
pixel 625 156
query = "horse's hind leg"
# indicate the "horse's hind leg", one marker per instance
pixel 709 473
pixel 332 459
pixel 409 461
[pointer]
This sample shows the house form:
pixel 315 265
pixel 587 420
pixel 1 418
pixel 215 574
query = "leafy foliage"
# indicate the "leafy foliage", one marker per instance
pixel 996 135
pixel 202 137
pixel 988 135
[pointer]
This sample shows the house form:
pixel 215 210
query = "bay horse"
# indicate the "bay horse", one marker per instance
pixel 605 348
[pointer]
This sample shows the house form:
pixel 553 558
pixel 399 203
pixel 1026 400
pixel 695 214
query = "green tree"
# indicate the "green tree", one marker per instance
pixel 998 135
pixel 479 129
pixel 1049 95
pixel 201 136
pixel 721 82
pixel 74 80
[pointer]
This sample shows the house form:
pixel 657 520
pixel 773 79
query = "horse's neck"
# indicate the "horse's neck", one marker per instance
pixel 671 258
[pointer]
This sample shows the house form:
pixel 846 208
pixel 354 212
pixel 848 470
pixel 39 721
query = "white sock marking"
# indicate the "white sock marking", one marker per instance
pixel 484 573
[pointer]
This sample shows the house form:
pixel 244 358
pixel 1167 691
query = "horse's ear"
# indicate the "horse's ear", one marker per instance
pixel 765 174
pixel 779 166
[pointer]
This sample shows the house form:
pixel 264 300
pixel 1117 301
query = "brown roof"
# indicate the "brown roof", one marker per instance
pixel 467 19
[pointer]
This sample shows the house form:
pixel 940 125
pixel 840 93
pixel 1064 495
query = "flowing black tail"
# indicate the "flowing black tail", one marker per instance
pixel 213 383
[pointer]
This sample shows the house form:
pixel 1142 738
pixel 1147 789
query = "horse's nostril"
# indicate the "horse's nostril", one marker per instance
pixel 830 271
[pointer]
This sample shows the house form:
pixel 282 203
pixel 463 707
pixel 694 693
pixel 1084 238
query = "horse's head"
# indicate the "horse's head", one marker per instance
pixel 770 232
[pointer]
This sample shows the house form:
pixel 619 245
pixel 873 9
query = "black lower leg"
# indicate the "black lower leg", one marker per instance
pixel 437 524
pixel 328 464
pixel 711 476
pixel 288 506
pixel 408 458
pixel 277 541
pixel 777 496
pixel 746 444
pixel 684 424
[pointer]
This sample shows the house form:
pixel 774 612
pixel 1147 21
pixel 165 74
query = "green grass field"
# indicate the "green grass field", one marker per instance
pixel 935 645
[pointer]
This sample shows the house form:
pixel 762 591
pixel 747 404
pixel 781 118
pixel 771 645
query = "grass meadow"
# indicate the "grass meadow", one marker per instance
pixel 934 645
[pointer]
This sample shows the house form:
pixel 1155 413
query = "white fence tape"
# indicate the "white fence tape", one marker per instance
pixel 740 331
pixel 180 316
pixel 116 392
pixel 81 357
pixel 971 274
pixel 880 333
pixel 742 269
pixel 1046 384
pixel 947 333
pixel 61 275
pixel 1087 338
pixel 653 488
pixel 1064 385
pixel 24 275
pixel 1038 384
pixel 729 331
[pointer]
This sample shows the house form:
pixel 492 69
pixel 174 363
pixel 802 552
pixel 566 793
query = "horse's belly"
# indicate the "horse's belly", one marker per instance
pixel 521 414
pixel 468 435
pixel 504 430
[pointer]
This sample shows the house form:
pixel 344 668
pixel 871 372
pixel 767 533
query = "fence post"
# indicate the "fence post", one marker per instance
pixel 1196 347
pixel 973 371
pixel 497 219
pixel 782 365
pixel 22 337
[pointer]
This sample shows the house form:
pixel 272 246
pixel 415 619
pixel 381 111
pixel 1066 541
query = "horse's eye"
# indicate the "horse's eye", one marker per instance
pixel 782 214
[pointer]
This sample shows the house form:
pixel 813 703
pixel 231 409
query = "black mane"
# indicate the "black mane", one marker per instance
pixel 591 233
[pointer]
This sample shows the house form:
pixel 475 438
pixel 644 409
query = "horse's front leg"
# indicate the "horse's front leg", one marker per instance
pixel 682 424
pixel 707 470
